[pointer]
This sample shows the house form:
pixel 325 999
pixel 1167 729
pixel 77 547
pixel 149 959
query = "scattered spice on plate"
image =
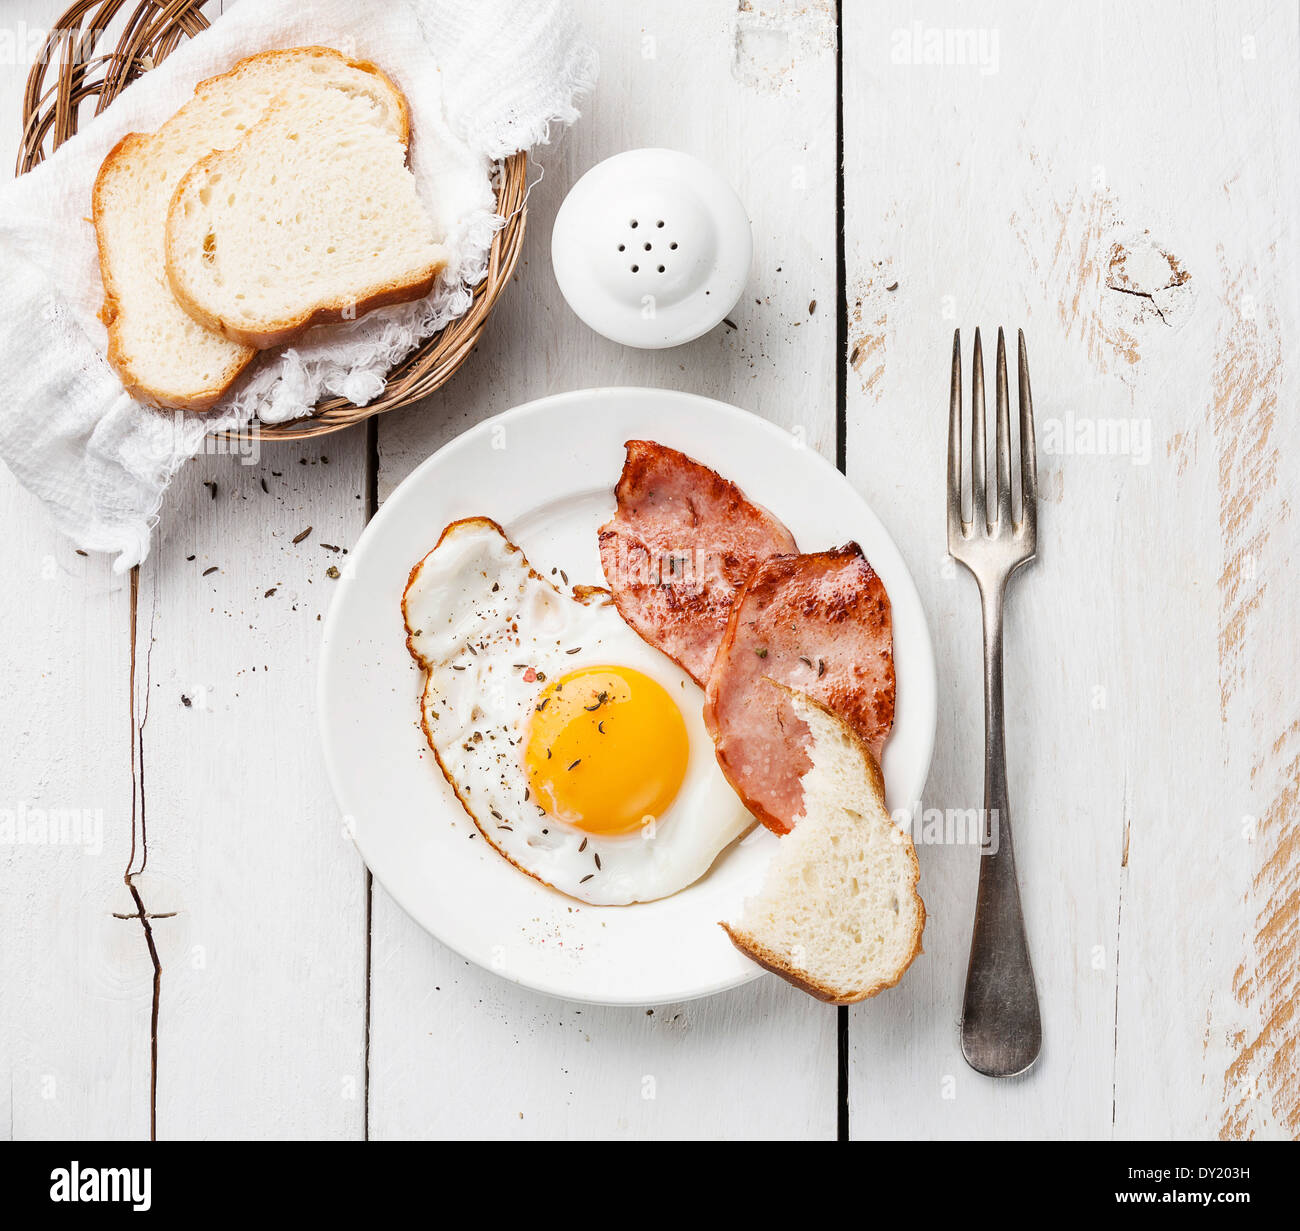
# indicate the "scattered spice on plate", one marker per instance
pixel 302 534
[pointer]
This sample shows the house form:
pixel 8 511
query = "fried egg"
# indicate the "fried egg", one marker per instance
pixel 579 750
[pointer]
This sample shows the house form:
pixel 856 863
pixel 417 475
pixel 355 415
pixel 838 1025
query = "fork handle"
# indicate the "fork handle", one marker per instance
pixel 1001 1033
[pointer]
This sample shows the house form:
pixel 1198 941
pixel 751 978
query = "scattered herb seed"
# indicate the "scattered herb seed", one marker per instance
pixel 206 571
pixel 586 878
pixel 597 863
pixel 271 591
pixel 893 286
pixel 576 763
pixel 730 324
pixel 266 489
pixel 302 534
pixel 212 488
pixel 812 306
pixel 582 846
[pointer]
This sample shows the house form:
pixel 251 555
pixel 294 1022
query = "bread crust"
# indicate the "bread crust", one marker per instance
pixel 778 965
pixel 118 358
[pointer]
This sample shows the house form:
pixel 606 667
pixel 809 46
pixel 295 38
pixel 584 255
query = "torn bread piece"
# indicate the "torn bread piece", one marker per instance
pixel 161 354
pixel 838 914
pixel 312 217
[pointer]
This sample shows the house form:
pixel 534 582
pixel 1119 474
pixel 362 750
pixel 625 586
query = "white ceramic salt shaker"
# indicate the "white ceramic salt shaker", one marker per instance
pixel 651 248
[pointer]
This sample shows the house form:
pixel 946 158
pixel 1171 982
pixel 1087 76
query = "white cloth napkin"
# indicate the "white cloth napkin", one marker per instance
pixel 483 80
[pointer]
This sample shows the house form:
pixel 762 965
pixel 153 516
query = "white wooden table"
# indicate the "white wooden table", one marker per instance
pixel 247 979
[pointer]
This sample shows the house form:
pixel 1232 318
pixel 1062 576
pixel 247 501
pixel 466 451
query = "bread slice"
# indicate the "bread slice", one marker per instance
pixel 312 217
pixel 163 356
pixel 838 914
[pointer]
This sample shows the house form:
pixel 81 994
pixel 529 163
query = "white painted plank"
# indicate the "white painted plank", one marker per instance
pixel 262 1015
pixel 1210 978
pixel 259 902
pixel 75 981
pixel 992 192
pixel 456 1051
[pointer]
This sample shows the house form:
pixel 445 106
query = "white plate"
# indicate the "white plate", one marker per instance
pixel 546 472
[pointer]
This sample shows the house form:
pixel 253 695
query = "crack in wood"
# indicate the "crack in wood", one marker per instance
pixel 139 830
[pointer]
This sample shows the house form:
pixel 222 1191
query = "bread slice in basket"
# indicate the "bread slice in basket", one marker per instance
pixel 838 914
pixel 161 353
pixel 312 217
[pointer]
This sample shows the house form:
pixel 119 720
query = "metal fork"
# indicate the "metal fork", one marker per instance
pixel 1001 1033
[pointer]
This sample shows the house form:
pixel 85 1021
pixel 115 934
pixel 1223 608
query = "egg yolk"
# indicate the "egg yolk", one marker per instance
pixel 606 749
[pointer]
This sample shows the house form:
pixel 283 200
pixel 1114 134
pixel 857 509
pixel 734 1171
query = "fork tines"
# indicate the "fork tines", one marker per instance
pixel 1004 523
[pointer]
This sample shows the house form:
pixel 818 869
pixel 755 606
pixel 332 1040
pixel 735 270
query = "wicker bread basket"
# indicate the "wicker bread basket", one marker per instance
pixel 98 47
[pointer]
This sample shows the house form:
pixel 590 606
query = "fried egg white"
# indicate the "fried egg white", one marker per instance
pixel 578 749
